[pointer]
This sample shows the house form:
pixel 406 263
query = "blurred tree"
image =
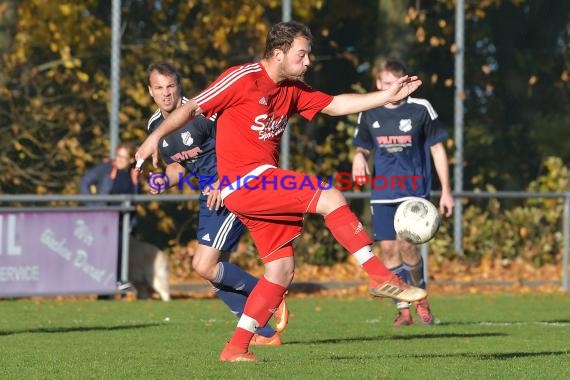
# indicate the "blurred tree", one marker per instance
pixel 516 79
pixel 56 58
pixel 54 82
pixel 7 24
pixel 394 37
pixel 53 96
pixel 7 31
pixel 55 93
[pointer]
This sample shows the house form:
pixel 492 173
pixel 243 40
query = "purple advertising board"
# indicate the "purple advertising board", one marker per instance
pixel 58 253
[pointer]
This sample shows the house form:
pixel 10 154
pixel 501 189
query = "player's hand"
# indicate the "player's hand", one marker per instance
pixel 186 155
pixel 403 87
pixel 214 201
pixel 446 204
pixel 158 182
pixel 149 148
pixel 360 170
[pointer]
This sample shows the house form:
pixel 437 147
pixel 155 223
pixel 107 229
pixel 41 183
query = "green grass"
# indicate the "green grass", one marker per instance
pixel 477 337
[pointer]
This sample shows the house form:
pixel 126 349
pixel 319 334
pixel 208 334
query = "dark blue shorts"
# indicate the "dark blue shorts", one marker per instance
pixel 219 229
pixel 383 221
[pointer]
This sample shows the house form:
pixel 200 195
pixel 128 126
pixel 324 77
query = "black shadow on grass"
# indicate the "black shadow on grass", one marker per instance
pixel 476 323
pixel 491 355
pixel 397 337
pixel 467 355
pixel 557 321
pixel 315 287
pixel 306 287
pixel 502 323
pixel 57 330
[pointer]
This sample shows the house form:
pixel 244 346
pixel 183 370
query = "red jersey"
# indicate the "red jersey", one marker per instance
pixel 253 112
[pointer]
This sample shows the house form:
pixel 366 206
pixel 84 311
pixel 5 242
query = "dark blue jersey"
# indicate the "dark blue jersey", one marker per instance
pixel 196 141
pixel 400 139
pixel 219 229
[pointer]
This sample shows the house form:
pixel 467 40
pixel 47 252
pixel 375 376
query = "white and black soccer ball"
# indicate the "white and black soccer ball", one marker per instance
pixel 416 220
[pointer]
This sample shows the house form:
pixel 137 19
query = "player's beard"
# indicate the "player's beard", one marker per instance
pixel 291 75
pixel 294 76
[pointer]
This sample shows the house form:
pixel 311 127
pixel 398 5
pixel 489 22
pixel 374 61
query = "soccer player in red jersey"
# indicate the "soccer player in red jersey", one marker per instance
pixel 254 102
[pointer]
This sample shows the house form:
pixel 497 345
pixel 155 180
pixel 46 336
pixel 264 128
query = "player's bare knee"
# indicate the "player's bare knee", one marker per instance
pixel 390 254
pixel 204 268
pixel 280 271
pixel 409 253
pixel 288 275
pixel 205 262
pixel 284 278
pixel 198 268
pixel 391 259
pixel 330 200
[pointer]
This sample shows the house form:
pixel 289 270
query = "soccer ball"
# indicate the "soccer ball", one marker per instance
pixel 416 220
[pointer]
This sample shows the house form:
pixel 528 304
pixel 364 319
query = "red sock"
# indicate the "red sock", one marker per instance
pixel 374 267
pixel 261 304
pixel 349 232
pixel 347 229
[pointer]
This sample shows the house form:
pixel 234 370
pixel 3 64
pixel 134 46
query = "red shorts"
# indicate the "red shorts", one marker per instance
pixel 272 207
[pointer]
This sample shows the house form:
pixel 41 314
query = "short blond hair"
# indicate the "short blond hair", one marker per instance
pixel 392 66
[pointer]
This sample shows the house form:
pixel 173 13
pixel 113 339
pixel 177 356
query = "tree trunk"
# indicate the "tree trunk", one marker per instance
pixel 394 36
pixel 7 29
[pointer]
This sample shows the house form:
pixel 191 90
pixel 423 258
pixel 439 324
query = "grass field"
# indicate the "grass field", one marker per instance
pixel 477 337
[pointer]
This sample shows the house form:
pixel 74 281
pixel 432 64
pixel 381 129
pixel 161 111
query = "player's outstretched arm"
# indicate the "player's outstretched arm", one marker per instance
pixel 345 104
pixel 176 120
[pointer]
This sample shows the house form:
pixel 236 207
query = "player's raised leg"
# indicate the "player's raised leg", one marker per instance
pixel 350 233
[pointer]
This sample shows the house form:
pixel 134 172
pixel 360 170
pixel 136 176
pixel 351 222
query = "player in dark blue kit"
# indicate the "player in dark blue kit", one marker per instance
pixel 191 151
pixel 404 136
